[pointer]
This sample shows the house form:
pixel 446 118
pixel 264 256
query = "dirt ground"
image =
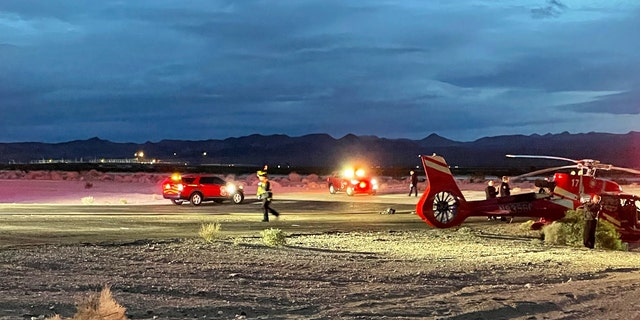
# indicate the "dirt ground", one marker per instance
pixel 493 271
pixel 434 274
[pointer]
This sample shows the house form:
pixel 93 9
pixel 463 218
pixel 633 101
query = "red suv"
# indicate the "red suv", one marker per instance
pixel 352 182
pixel 196 188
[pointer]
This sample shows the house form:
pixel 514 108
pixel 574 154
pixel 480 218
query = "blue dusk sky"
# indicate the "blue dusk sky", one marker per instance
pixel 148 70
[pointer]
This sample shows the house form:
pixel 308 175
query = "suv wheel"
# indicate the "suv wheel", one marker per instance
pixel 237 198
pixel 332 189
pixel 196 198
pixel 350 191
pixel 177 202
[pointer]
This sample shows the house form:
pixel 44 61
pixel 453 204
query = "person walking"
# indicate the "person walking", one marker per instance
pixel 490 192
pixel 413 186
pixel 591 212
pixel 265 194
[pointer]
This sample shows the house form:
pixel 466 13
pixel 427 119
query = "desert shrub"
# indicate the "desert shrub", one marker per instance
pixel 56 175
pixel 526 226
pixel 607 236
pixel 294 177
pixel 106 177
pixel 312 178
pixel 563 233
pixel 526 229
pixel 72 176
pixel 87 200
pixel 570 229
pixel 315 185
pixel 273 237
pixel 98 306
pixel 210 231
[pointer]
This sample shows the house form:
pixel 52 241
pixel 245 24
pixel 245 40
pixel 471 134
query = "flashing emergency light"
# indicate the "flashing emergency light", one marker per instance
pixel 348 173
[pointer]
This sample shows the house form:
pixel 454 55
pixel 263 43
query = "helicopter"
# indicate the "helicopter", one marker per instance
pixel 443 205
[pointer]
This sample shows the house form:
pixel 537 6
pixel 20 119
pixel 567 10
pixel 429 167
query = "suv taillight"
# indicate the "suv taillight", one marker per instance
pixel 178 186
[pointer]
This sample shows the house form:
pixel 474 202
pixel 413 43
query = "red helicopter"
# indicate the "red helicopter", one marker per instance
pixel 443 205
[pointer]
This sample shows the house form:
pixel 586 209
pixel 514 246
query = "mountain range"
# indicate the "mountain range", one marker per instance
pixel 322 150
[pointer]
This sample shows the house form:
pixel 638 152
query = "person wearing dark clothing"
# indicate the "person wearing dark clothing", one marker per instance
pixel 265 194
pixel 505 189
pixel 591 212
pixel 413 186
pixel 490 192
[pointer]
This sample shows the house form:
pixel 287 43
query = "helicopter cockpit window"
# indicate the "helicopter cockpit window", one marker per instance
pixel 610 204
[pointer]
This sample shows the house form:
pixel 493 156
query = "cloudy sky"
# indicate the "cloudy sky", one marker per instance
pixel 147 70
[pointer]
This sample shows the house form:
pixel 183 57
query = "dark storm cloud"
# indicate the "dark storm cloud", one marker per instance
pixel 131 70
pixel 627 103
pixel 552 8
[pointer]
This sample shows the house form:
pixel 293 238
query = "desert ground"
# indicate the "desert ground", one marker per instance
pixel 342 258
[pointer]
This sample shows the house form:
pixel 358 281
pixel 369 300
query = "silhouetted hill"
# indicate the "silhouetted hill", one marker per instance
pixel 322 150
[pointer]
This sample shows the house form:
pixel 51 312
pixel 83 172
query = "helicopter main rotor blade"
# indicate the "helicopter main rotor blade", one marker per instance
pixel 537 172
pixel 540 157
pixel 634 171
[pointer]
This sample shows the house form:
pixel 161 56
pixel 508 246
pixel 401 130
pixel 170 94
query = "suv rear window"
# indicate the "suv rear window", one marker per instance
pixel 188 180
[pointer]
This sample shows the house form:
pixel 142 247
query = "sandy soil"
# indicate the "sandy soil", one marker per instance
pixel 469 273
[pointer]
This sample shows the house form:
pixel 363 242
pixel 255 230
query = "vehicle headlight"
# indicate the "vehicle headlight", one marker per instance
pixel 374 182
pixel 354 181
pixel 231 188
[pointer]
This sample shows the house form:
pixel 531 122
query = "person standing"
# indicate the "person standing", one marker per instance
pixel 505 189
pixel 265 194
pixel 413 185
pixel 263 171
pixel 490 192
pixel 591 212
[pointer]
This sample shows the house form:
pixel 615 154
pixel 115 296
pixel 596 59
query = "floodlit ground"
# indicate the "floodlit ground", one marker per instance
pixel 373 267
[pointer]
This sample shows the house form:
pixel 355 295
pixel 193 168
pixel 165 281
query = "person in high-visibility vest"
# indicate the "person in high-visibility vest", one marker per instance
pixel 265 194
